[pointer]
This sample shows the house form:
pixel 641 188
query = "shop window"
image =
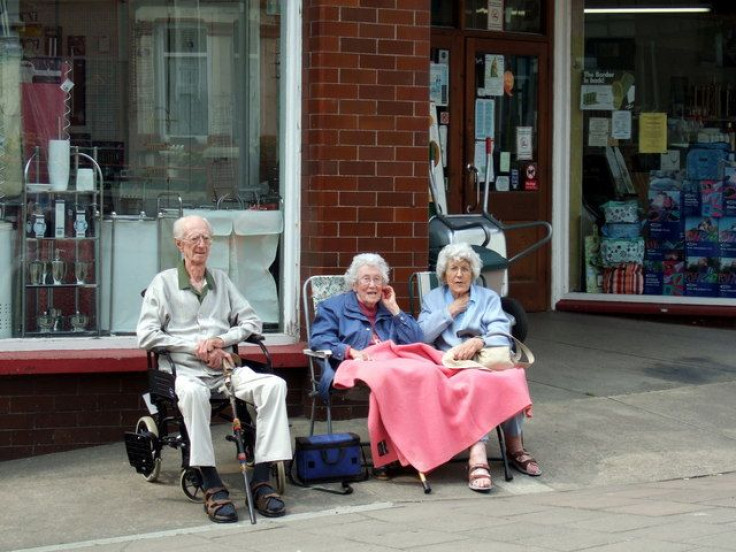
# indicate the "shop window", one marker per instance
pixel 657 114
pixel 179 104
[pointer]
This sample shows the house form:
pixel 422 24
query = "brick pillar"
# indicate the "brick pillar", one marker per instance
pixel 365 115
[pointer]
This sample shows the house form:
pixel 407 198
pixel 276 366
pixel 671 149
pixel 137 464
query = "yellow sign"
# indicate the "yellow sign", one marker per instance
pixel 653 133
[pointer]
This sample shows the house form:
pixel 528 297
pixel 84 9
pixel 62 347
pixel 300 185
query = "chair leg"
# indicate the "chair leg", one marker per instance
pixel 502 445
pixel 313 413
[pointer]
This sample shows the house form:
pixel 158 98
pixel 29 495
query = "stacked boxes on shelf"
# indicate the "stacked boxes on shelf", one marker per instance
pixel 622 248
pixel 691 227
pixel 664 264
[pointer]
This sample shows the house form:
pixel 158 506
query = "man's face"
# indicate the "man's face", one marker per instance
pixel 195 243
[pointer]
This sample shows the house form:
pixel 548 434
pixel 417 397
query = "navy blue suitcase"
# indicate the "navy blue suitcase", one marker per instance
pixel 335 457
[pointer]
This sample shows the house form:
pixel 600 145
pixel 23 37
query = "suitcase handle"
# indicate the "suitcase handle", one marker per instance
pixel 324 453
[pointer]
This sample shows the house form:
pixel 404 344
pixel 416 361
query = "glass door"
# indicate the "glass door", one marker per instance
pixel 507 149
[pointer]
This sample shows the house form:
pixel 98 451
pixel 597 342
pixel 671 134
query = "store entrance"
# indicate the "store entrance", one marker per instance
pixel 492 96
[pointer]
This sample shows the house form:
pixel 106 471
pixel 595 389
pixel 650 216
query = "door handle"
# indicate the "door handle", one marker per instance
pixel 473 178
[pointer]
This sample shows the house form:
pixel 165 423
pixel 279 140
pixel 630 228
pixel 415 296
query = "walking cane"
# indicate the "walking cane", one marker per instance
pixel 237 438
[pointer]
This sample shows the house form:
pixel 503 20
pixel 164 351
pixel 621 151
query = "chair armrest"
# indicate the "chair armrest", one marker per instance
pixel 323 354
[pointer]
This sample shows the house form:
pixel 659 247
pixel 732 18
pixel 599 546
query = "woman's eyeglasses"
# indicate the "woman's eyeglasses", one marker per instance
pixel 368 280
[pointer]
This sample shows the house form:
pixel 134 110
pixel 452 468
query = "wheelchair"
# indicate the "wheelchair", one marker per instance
pixel 164 427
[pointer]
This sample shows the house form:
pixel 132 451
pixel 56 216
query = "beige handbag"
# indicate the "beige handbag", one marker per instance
pixel 494 358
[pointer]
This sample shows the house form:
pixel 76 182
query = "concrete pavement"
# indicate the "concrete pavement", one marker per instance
pixel 634 426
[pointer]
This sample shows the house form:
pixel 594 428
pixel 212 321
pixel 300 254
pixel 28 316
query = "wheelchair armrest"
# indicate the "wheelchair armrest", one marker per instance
pixel 255 339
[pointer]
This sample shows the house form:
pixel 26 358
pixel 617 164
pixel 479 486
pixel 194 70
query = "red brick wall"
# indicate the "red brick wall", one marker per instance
pixel 40 414
pixel 365 121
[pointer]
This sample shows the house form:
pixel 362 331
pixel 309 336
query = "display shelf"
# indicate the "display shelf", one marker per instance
pixel 61 253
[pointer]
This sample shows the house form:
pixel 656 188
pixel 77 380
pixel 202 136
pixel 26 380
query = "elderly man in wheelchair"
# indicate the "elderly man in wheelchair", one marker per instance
pixel 197 315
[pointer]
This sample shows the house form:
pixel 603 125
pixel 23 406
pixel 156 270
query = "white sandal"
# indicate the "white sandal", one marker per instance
pixel 474 478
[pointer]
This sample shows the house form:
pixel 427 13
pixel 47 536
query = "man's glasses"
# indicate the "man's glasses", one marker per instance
pixel 194 240
pixel 368 280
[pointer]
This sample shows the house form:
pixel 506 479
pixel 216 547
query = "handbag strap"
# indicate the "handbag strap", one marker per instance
pixel 521 355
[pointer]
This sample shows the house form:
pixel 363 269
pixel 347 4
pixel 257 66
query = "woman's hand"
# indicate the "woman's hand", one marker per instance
pixel 467 349
pixel 460 304
pixel 355 354
pixel 388 298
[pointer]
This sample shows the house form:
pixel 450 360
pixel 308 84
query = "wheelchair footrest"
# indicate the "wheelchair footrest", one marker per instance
pixel 140 449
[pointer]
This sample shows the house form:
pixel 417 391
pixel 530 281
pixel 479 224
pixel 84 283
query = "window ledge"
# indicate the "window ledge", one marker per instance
pixel 85 356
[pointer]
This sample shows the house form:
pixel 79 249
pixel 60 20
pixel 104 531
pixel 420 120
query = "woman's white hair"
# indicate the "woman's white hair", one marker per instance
pixel 458 252
pixel 365 259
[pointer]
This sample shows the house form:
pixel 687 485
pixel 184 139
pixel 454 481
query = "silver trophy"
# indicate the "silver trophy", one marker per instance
pixel 39 225
pixel 82 271
pixel 58 270
pixel 79 321
pixel 80 224
pixel 56 317
pixel 45 322
pixel 36 272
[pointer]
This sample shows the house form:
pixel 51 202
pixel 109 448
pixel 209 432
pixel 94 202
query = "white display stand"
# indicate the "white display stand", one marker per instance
pixel 134 258
pixel 6 279
pixel 244 246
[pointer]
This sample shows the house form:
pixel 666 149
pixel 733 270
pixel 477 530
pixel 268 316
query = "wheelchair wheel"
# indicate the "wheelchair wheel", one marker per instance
pixel 147 424
pixel 515 309
pixel 191 483
pixel 278 472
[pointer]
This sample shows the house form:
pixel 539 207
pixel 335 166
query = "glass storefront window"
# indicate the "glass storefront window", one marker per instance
pixel 656 115
pixel 179 103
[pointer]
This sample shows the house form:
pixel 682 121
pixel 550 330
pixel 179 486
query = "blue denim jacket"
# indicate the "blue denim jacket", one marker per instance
pixel 339 324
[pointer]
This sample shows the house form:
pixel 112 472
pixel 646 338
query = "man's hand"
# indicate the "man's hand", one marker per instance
pixel 211 353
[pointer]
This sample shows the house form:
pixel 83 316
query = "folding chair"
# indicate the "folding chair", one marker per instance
pixel 315 290
pixel 421 283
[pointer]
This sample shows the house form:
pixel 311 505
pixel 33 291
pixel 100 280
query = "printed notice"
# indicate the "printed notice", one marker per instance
pixel 598 131
pixel 493 75
pixel 524 142
pixel 484 119
pixel 495 15
pixel 621 125
pixel 653 133
pixel 438 83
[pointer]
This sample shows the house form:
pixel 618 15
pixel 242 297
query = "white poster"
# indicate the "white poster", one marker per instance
pixel 493 75
pixel 524 146
pixel 484 119
pixel 599 129
pixel 621 125
pixel 495 15
pixel 436 171
pixel 439 89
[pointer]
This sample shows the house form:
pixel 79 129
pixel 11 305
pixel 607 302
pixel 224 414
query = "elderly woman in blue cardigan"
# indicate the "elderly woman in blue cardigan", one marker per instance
pixel 367 314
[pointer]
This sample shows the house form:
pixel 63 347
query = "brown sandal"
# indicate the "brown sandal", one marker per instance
pixel 473 477
pixel 263 499
pixel 212 506
pixel 521 460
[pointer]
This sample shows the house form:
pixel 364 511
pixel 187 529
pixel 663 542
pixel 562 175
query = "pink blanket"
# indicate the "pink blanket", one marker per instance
pixel 422 413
